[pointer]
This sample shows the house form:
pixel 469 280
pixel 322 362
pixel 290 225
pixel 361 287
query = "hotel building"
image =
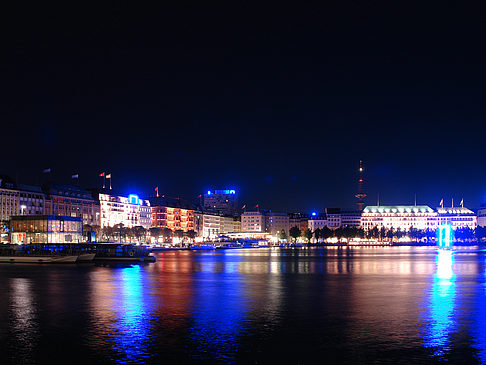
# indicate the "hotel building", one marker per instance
pixel 72 201
pixel 19 199
pixel 172 213
pixel 130 211
pixel 221 201
pixel 264 221
pixel 401 217
pixel 457 217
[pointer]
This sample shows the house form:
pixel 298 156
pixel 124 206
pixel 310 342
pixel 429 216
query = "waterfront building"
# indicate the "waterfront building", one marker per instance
pixel 350 218
pixel 253 222
pixel 131 211
pixel 401 217
pixel 46 229
pixel 221 201
pixel 481 217
pixel 298 220
pixel 333 217
pixel 73 201
pixel 211 225
pixel 457 217
pixel 317 221
pixel 19 199
pixel 229 224
pixel 172 213
pixel 276 222
pixel 264 221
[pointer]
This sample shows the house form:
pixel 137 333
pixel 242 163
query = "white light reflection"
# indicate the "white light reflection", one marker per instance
pixel 25 318
pixel 439 319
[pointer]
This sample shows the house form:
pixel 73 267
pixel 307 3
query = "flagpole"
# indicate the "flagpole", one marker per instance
pixel 110 180
pixel 103 180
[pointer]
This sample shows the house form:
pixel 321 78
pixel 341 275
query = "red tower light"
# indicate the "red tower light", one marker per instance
pixel 361 195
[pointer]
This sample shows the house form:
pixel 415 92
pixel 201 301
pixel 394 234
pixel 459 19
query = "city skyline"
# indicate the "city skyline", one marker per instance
pixel 281 110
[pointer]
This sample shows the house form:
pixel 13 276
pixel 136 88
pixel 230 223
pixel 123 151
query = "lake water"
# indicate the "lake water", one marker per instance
pixel 335 305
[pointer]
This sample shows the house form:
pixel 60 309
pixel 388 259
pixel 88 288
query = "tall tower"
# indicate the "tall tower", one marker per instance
pixel 361 195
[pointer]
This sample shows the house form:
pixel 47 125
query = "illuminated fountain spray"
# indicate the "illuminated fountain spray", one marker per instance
pixel 445 236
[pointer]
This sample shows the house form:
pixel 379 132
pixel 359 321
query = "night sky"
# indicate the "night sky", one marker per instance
pixel 278 102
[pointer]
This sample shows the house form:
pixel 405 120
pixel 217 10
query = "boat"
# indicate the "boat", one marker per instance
pixel 86 257
pixel 36 254
pixel 122 252
pixel 206 246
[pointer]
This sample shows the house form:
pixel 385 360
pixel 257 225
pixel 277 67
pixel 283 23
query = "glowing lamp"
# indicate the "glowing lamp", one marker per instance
pixel 314 214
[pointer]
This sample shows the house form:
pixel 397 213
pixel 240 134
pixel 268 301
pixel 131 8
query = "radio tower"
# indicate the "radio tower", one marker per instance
pixel 360 196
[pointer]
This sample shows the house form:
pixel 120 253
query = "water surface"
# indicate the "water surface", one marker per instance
pixel 337 305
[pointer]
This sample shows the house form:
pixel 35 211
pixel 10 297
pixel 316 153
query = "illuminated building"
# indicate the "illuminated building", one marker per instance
pixel 253 222
pixel 298 220
pixel 172 213
pixel 130 211
pixel 73 201
pixel 276 222
pixel 19 199
pixel 211 225
pixel 264 221
pixel 229 224
pixel 456 217
pixel 221 201
pixel 350 218
pixel 481 220
pixel 401 217
pixel 316 221
pixel 46 229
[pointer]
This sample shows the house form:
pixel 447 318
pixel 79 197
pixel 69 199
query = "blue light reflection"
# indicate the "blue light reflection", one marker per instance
pixel 132 325
pixel 439 317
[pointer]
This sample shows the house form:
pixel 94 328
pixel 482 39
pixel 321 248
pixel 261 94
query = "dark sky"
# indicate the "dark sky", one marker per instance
pixel 279 102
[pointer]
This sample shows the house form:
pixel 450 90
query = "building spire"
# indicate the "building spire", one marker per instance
pixel 361 195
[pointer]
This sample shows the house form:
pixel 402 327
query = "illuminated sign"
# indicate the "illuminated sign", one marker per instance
pixel 133 199
pixel 445 236
pixel 225 192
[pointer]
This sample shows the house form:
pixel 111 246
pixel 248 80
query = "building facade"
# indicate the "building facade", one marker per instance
pixel 403 217
pixel 457 217
pixel 72 201
pixel 46 229
pixel 481 217
pixel 253 222
pixel 298 220
pixel 221 201
pixel 19 199
pixel 173 214
pixel 130 211
pixel 276 222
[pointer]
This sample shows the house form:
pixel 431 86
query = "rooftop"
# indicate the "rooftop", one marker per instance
pixel 398 209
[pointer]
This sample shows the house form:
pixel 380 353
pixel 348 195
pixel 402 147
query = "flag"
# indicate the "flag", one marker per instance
pixel 108 176
pixel 75 176
pixel 462 202
pixel 243 207
pixel 256 206
pixel 442 203
pixel 46 171
pixel 157 191
pixel 102 174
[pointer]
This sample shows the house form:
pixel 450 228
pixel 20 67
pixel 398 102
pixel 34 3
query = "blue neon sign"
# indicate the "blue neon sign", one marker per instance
pixel 133 199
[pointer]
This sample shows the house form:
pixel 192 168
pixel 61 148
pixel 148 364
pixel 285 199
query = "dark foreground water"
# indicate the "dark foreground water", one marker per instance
pixel 358 305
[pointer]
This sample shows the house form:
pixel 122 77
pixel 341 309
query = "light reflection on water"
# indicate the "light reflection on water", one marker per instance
pixel 356 305
pixel 440 311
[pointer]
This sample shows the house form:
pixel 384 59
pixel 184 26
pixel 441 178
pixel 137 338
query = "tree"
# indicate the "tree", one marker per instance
pixel 294 233
pixel 191 234
pixel 307 234
pixel 155 232
pixel 282 235
pixel 179 233
pixel 139 232
pixel 167 233
pixel 317 234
